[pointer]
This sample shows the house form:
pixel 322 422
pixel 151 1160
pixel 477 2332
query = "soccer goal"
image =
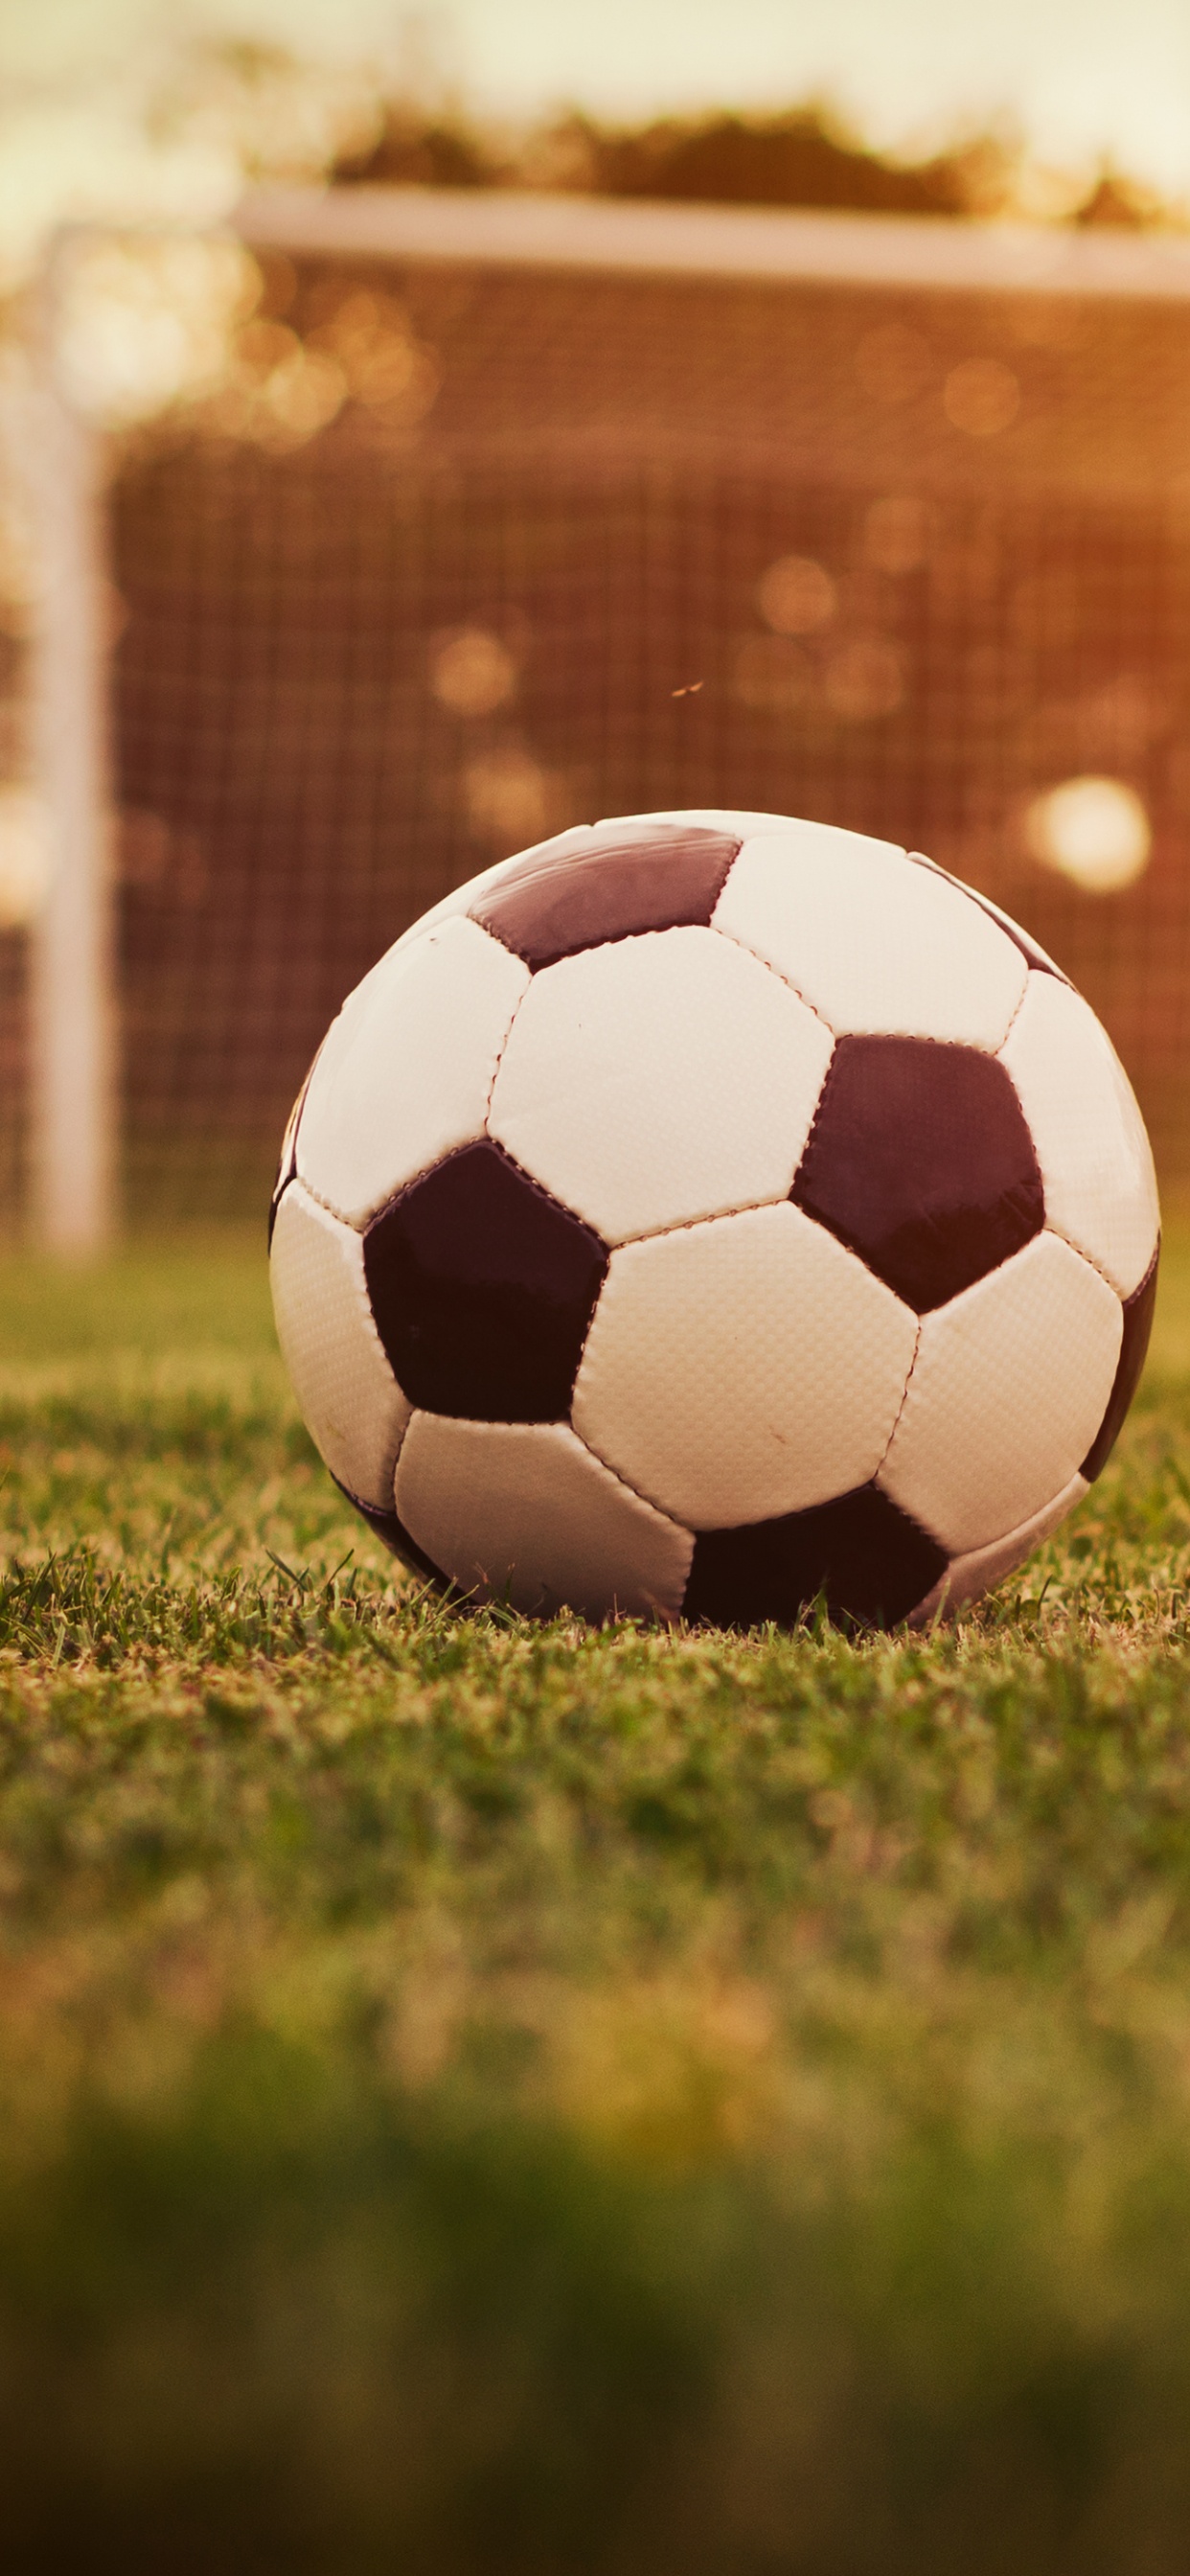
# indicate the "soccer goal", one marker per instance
pixel 389 531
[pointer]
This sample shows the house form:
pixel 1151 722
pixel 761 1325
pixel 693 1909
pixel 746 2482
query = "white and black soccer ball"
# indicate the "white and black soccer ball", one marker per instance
pixel 703 1214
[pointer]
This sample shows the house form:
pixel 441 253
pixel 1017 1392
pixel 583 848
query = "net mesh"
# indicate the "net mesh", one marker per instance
pixel 571 545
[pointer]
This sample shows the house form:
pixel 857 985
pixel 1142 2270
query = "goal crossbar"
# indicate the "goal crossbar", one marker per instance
pixel 498 229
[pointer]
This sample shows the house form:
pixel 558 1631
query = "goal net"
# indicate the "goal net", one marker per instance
pixel 471 518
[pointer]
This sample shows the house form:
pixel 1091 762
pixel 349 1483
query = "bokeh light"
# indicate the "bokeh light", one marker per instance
pixel 507 797
pixel 981 397
pixel 369 338
pixel 796 596
pixel 865 679
pixel 147 321
pixel 471 672
pixel 277 392
pixel 1095 831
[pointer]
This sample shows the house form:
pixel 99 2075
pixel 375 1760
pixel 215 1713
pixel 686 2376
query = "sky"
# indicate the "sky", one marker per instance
pixel 1079 79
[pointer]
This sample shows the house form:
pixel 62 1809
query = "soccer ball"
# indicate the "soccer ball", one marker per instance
pixel 707 1214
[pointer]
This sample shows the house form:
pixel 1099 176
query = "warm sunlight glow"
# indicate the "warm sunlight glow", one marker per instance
pixel 146 322
pixel 1094 831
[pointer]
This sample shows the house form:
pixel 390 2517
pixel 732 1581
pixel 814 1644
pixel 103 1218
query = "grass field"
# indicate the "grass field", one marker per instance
pixel 483 2099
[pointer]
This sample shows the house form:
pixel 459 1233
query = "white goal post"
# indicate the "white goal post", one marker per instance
pixel 74 1049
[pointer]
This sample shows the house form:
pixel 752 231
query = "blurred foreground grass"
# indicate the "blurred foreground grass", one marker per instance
pixel 475 2098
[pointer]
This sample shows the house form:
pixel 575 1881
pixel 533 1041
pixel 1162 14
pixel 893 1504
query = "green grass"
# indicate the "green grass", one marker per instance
pixel 476 2098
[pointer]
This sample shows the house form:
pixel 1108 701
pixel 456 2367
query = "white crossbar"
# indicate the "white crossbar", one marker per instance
pixel 499 228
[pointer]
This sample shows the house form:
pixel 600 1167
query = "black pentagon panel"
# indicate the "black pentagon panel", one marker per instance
pixel 1012 929
pixel 866 1559
pixel 1138 1324
pixel 483 1288
pixel 395 1537
pixel 613 885
pixel 920 1159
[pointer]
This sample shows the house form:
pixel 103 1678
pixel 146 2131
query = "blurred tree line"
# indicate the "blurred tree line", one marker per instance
pixel 802 157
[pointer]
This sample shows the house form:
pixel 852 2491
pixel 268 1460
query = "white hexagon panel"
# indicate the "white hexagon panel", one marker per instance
pixel 521 1512
pixel 353 1407
pixel 1088 1134
pixel 406 1071
pixel 968 1577
pixel 876 944
pixel 655 1080
pixel 743 1368
pixel 1011 1382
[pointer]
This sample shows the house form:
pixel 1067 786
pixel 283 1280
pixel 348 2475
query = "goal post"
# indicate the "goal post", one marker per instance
pixel 533 506
pixel 73 1003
